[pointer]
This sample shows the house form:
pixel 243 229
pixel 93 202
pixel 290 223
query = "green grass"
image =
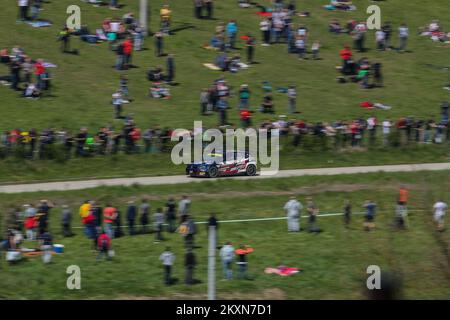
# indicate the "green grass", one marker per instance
pixel 333 262
pixel 83 84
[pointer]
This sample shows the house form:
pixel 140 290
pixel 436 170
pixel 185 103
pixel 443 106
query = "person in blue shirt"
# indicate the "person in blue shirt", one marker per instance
pixel 222 106
pixel 232 30
pixel 370 207
pixel 131 216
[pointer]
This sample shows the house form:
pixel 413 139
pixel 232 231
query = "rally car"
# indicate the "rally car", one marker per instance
pixel 223 164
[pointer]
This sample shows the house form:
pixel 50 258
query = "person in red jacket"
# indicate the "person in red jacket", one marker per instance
pixel 103 245
pixel 245 116
pixel 127 50
pixel 39 70
pixel 346 55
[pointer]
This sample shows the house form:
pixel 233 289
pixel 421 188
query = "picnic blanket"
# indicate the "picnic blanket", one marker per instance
pixel 282 271
pixel 49 65
pixel 211 66
pixel 264 14
pixel 332 8
pixel 370 105
pixel 100 34
pixel 39 24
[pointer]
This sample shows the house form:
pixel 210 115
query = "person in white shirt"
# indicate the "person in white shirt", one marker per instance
pixel 300 44
pixel 292 208
pixel 292 99
pixel 227 256
pixel 403 33
pixel 439 212
pixel 167 258
pixel 184 205
pixel 315 49
pixel 264 26
pixel 380 38
pixel 359 35
pixel 386 130
pixel 23 9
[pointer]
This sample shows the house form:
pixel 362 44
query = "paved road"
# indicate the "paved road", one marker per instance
pixel 86 184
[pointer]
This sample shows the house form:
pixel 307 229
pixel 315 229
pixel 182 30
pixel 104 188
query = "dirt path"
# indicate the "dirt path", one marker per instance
pixel 86 184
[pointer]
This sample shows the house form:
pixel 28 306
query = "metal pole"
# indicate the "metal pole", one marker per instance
pixel 143 17
pixel 212 263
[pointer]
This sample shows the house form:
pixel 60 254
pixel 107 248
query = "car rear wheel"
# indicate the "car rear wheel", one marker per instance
pixel 250 170
pixel 213 172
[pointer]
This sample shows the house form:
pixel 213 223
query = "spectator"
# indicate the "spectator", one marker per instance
pixel 292 208
pixel 167 258
pixel 13 253
pixel 109 217
pixel 187 230
pixel 222 106
pixel 46 243
pixel 198 7
pixel 292 99
pixel 264 26
pixel 171 214
pixel 313 211
pixel 380 38
pixel 209 6
pixel 113 4
pixel 204 99
pixel 104 244
pixel 242 263
pixel 346 56
pixel 370 207
pixel 403 34
pixel 227 256
pixel 184 206
pixel 300 45
pixel 387 29
pixel 64 37
pixel 403 196
pixel 127 52
pixel 359 36
pixel 347 213
pixel 439 213
pixel 170 69
pixel 158 219
pixel 165 14
pixel 315 50
pixel 159 43
pixel 66 221
pixel 232 30
pixel 131 216
pixel 250 44
pixel 144 212
pixel 387 124
pixel 189 263
pixel 401 214
pixel 23 9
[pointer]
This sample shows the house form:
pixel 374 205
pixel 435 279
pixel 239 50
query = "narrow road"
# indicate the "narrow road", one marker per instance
pixel 86 184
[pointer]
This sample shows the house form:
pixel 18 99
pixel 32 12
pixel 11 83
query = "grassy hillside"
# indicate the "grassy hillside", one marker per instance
pixel 83 84
pixel 333 263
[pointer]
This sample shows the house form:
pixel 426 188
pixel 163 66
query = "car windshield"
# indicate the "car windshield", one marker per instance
pixel 219 157
pixel 213 157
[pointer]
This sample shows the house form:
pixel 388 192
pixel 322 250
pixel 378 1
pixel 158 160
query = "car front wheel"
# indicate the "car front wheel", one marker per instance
pixel 251 170
pixel 213 172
